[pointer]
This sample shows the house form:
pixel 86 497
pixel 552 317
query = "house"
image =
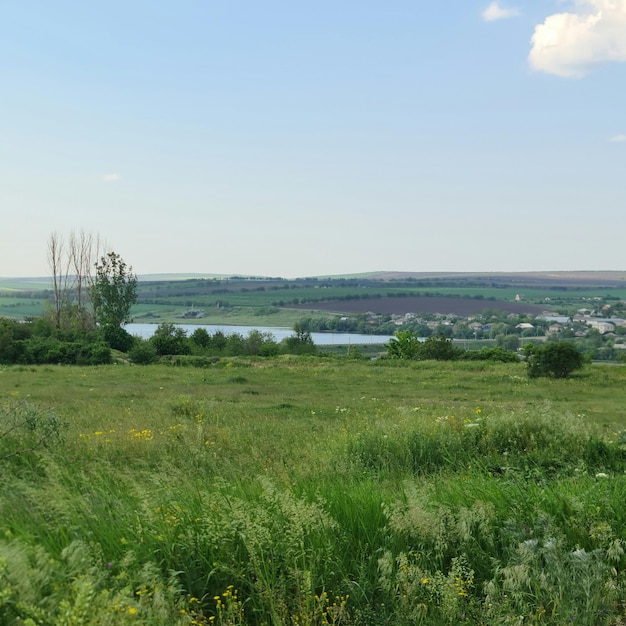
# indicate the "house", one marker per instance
pixel 524 326
pixel 555 319
pixel 601 326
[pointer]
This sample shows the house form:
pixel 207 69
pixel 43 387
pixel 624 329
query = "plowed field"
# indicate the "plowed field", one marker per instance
pixel 399 306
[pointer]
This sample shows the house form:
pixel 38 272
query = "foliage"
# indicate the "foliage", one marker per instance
pixel 169 339
pixel 406 345
pixel 118 338
pixel 553 360
pixel 317 491
pixel 113 290
pixel 491 354
pixel 37 341
pixel 508 342
pixel 300 342
pixel 25 427
pixel 142 353
pixel 439 348
pixel 200 337
pixel 403 345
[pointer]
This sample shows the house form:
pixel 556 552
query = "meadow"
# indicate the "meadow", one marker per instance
pixel 312 491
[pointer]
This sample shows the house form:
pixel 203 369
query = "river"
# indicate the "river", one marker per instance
pixel 320 339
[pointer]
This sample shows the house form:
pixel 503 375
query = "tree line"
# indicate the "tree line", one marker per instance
pixel 92 295
pixel 550 360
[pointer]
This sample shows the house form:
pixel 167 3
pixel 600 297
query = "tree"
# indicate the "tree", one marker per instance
pixel 113 290
pixel 553 360
pixel 403 345
pixel 70 263
pixel 59 275
pixel 508 342
pixel 439 348
pixel 169 339
pixel 299 343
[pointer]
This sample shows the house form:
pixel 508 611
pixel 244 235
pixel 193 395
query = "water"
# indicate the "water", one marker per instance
pixel 320 339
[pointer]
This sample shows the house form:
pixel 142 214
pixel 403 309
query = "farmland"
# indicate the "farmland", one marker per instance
pixel 462 307
pixel 279 302
pixel 308 490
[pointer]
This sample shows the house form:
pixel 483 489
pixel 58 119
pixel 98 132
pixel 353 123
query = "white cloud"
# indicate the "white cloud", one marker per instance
pixel 110 178
pixel 570 44
pixel 495 12
pixel 618 138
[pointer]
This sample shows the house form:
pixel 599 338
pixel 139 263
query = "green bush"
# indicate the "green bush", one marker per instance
pixel 553 360
pixel 169 339
pixel 142 353
pixel 118 338
pixel 491 354
pixel 24 427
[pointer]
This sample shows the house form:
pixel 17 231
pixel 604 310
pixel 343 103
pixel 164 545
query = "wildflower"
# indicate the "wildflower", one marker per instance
pixel 425 581
pixel 601 475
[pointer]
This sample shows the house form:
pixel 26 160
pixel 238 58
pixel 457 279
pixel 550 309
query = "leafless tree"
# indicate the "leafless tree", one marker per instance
pixel 71 262
pixel 56 257
pixel 84 249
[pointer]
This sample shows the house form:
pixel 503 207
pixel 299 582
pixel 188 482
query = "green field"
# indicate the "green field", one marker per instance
pixel 270 302
pixel 312 490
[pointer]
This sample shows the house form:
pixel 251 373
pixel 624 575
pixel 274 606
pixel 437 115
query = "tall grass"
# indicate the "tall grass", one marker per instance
pixel 295 491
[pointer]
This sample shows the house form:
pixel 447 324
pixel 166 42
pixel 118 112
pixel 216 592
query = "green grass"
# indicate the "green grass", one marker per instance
pixel 315 491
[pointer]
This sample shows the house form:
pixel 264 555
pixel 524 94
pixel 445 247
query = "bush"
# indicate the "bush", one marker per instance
pixel 169 339
pixel 491 354
pixel 118 338
pixel 39 350
pixel 553 360
pixel 24 427
pixel 439 348
pixel 142 353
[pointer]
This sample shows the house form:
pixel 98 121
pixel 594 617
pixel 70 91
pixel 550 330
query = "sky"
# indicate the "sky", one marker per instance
pixel 282 138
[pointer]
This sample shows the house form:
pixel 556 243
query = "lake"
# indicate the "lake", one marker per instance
pixel 320 339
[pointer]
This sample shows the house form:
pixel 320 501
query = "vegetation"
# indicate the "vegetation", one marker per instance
pixel 408 346
pixel 299 490
pixel 469 309
pixel 37 341
pixel 556 360
pixel 113 291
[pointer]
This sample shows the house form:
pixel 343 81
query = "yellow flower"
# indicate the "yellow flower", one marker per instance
pixel 425 581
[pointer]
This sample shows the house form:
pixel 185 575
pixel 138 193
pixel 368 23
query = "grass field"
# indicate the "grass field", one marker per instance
pixel 312 491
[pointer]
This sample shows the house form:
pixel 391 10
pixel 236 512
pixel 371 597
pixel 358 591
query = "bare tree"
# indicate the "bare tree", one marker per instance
pixel 84 249
pixel 56 255
pixel 71 264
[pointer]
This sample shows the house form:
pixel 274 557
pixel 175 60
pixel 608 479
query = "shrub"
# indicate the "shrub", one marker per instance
pixel 168 339
pixel 142 353
pixel 118 338
pixel 24 427
pixel 491 354
pixel 553 360
pixel 439 348
pixel 407 345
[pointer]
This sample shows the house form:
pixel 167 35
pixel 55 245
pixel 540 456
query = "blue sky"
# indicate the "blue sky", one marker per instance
pixel 296 139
